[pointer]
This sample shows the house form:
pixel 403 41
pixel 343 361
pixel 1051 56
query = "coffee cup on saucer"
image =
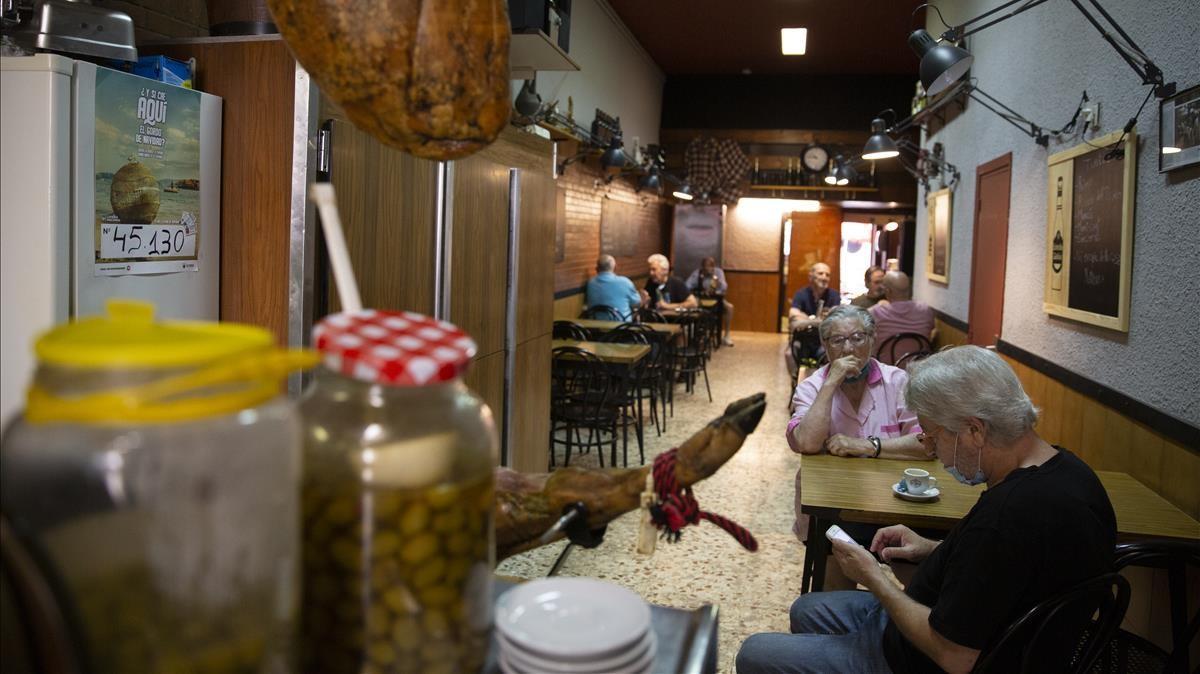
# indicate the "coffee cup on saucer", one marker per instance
pixel 918 481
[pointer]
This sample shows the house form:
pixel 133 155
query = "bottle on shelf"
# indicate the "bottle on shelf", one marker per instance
pixel 754 176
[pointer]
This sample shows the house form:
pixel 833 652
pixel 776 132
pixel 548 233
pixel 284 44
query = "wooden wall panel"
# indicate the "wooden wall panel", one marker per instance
pixel 947 335
pixel 535 285
pixel 530 449
pixel 256 79
pixel 568 307
pixel 486 379
pixel 1108 440
pixel 816 237
pixel 387 201
pixel 479 258
pixel 755 297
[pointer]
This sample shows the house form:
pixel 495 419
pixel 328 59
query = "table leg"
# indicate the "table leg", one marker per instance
pixel 818 547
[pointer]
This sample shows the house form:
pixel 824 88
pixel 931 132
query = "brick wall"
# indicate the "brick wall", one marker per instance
pixel 581 241
pixel 156 20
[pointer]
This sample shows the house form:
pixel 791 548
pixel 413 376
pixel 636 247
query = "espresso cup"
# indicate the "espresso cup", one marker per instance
pixel 918 481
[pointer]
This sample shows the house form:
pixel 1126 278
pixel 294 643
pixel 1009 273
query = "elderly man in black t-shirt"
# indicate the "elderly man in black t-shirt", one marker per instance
pixel 1044 525
pixel 664 292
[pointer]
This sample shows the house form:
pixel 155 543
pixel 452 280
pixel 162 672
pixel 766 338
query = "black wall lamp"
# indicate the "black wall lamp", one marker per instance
pixel 880 145
pixel 943 63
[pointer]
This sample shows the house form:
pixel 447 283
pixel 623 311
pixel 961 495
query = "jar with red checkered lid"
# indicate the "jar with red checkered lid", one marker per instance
pixel 398 499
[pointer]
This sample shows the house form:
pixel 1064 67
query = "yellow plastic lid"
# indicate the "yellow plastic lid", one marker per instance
pixel 129 337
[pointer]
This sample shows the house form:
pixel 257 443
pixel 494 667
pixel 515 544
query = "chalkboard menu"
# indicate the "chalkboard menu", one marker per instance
pixel 1089 231
pixel 618 228
pixel 1096 234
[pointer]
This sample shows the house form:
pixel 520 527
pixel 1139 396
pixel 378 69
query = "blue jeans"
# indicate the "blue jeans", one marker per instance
pixel 831 632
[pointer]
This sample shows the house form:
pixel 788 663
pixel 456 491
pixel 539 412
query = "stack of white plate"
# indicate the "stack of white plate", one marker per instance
pixel 573 626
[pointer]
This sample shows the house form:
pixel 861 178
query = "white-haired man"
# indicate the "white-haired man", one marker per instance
pixel 1043 525
pixel 664 292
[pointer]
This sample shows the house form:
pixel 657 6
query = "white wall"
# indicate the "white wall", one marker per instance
pixel 615 74
pixel 1039 63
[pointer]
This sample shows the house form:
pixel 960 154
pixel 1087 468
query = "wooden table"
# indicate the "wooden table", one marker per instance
pixel 833 488
pixel 618 354
pixel 669 331
pixel 708 302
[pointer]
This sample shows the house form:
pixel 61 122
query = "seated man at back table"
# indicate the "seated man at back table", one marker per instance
pixel 1043 525
pixel 874 280
pixel 810 305
pixel 709 281
pixel 900 313
pixel 609 290
pixel 664 292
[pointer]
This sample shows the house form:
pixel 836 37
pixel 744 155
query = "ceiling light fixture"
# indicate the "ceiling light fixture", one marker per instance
pixel 794 41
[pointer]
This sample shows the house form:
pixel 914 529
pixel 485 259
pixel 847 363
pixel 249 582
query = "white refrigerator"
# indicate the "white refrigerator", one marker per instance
pixel 109 187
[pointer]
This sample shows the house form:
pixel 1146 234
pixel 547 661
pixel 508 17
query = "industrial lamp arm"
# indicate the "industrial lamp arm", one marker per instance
pixel 1141 64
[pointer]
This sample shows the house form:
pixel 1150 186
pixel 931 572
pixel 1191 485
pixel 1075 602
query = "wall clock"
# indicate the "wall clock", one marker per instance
pixel 815 158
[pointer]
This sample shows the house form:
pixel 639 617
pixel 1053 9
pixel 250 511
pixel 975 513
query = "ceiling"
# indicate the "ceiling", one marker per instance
pixel 693 37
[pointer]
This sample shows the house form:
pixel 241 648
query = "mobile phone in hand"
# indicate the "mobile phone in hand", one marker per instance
pixel 835 533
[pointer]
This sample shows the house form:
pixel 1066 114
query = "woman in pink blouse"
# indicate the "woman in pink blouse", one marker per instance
pixel 853 407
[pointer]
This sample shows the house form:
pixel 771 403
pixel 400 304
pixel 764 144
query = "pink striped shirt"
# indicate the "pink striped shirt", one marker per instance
pixel 881 412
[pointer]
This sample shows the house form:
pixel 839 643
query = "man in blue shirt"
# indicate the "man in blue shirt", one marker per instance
pixel 608 289
pixel 810 305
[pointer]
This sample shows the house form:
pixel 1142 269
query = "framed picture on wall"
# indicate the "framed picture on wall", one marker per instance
pixel 1179 130
pixel 1089 231
pixel 937 253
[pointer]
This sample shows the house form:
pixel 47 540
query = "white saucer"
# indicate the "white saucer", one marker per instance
pixel 638 659
pixel 572 619
pixel 929 495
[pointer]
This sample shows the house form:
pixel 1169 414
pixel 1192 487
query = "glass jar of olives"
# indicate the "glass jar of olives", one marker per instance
pixel 397 500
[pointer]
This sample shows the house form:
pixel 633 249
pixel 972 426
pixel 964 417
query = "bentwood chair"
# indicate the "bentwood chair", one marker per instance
pixel 628 384
pixel 1128 652
pixel 570 330
pixel 894 349
pixel 1060 634
pixel 644 315
pixel 580 391
pixel 602 313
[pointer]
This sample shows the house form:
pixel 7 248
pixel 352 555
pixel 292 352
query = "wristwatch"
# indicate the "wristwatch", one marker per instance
pixel 877 444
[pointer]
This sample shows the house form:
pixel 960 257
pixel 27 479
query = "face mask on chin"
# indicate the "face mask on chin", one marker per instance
pixel 979 478
pixel 858 377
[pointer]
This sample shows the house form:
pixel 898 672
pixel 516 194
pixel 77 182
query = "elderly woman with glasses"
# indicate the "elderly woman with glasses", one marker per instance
pixel 853 407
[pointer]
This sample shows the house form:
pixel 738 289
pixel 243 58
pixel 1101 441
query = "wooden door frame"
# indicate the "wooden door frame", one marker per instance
pixel 1004 161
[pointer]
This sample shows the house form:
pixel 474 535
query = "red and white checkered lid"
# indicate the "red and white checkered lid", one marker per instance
pixel 398 348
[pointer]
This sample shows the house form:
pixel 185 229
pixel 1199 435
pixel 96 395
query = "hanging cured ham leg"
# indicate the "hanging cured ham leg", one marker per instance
pixel 528 505
pixel 429 77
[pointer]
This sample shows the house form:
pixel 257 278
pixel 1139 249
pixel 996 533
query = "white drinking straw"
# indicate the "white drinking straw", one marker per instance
pixel 323 196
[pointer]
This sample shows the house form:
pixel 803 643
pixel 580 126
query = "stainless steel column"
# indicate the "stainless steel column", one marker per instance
pixel 510 309
pixel 303 221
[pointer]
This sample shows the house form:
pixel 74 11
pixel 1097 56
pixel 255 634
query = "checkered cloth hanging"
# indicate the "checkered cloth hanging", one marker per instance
pixel 392 347
pixel 716 166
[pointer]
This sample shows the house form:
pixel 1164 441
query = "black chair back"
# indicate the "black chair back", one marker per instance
pixel 644 315
pixel 912 357
pixel 896 347
pixel 602 313
pixel 579 384
pixel 1059 634
pixel 570 330
pixel 1128 652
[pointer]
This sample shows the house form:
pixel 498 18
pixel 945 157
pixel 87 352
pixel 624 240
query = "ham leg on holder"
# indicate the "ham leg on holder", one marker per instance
pixel 528 505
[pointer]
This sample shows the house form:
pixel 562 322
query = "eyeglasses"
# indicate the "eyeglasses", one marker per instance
pixel 855 340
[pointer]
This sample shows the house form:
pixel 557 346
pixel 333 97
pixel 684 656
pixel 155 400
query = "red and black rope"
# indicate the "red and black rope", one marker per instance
pixel 677 506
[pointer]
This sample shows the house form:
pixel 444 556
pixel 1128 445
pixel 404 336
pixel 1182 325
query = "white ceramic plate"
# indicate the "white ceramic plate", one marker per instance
pixel 508 666
pixel 572 619
pixel 929 495
pixel 633 660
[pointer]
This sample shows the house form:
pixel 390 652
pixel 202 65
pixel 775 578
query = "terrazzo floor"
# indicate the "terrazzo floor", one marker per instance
pixel 755 488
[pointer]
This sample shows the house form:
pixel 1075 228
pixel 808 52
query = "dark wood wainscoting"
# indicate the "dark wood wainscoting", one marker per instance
pixel 755 297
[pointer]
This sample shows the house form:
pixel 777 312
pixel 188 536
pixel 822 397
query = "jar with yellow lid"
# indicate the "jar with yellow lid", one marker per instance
pixel 151 484
pixel 397 500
